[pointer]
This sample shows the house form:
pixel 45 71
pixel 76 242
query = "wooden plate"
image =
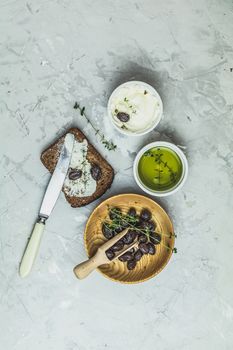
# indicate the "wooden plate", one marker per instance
pixel 149 265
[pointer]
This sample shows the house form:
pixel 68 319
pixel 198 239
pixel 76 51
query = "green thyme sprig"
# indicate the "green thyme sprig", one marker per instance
pixel 146 232
pixel 126 100
pixel 131 221
pixel 158 159
pixel 107 144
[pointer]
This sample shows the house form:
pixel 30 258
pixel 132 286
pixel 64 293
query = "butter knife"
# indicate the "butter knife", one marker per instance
pixel 51 195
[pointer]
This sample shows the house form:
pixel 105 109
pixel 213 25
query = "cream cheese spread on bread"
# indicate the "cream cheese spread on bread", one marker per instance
pixel 81 184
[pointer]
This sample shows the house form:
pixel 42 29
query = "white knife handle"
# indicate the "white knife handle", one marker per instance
pixel 31 249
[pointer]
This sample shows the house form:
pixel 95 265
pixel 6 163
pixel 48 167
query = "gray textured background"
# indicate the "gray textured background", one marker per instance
pixel 53 53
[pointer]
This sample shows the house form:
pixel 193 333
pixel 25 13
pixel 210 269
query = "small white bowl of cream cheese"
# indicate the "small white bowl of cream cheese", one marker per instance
pixel 135 108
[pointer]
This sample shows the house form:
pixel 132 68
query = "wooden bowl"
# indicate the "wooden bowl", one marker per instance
pixel 149 265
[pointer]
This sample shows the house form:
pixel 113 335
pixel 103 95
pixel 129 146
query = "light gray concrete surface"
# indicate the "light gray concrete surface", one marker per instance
pixel 53 53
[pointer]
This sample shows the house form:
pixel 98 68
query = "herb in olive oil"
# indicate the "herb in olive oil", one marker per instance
pixel 160 168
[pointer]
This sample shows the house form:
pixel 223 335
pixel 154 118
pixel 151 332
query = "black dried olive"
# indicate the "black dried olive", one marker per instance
pixel 151 225
pixel 148 225
pixel 131 264
pixel 107 231
pixel 75 174
pixel 133 233
pixel 129 237
pixel 114 213
pixel 138 255
pixel 126 257
pixel 123 221
pixel 142 238
pixel 144 248
pixel 123 117
pixel 125 224
pixel 119 229
pixel 151 248
pixel 110 254
pixel 132 212
pixel 118 246
pixel 96 172
pixel 155 238
pixel 145 215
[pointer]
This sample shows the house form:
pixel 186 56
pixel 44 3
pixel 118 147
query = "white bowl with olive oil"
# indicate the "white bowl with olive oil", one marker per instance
pixel 135 108
pixel 160 168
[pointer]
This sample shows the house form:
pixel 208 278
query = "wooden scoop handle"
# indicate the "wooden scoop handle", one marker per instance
pixel 83 269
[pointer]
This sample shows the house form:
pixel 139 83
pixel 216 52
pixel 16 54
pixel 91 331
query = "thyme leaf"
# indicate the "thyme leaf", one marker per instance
pixel 107 144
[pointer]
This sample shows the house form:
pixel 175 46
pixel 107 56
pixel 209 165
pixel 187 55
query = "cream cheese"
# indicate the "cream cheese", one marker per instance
pixel 84 186
pixel 139 102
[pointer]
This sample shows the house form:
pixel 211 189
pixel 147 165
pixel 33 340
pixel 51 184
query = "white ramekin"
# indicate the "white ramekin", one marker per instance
pixel 153 91
pixel 184 172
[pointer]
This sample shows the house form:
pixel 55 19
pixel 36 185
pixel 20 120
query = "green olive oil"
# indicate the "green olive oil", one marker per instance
pixel 160 169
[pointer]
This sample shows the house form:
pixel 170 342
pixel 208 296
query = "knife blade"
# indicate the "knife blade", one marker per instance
pixel 51 195
pixel 58 177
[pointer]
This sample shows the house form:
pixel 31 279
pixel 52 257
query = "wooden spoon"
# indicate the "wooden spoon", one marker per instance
pixel 83 269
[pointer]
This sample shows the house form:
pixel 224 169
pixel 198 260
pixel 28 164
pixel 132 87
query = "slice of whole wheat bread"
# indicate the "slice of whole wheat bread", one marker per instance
pixel 50 156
